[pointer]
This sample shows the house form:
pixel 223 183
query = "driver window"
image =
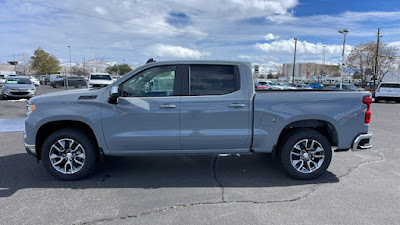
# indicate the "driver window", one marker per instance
pixel 154 82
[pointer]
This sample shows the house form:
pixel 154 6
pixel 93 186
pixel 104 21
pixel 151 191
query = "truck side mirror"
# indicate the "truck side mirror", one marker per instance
pixel 114 94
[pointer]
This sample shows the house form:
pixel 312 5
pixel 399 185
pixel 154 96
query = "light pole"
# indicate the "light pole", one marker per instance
pixel 294 60
pixel 70 71
pixel 344 32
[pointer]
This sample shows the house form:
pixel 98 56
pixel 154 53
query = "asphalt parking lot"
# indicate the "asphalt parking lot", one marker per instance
pixel 359 187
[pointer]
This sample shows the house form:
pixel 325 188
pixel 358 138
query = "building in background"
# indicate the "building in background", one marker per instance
pixel 6 69
pixel 310 70
pixel 256 72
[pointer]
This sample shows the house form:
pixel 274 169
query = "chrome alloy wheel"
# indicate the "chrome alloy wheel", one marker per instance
pixel 67 156
pixel 307 156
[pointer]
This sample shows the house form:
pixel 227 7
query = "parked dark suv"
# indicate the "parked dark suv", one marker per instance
pixel 77 82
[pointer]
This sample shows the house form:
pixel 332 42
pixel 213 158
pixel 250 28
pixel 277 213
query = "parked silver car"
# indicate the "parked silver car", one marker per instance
pixel 18 87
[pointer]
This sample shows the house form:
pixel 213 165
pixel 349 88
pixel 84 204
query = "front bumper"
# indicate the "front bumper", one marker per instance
pixel 31 150
pixel 362 142
pixel 19 93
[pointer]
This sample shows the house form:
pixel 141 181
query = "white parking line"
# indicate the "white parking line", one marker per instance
pixel 12 124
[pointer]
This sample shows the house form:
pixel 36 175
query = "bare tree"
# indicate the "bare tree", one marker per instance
pixel 278 69
pixel 79 70
pixel 24 64
pixel 362 60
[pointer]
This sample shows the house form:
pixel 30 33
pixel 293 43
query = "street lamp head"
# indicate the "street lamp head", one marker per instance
pixel 344 31
pixel 69 46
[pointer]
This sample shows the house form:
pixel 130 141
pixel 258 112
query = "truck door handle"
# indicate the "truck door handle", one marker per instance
pixel 167 106
pixel 236 105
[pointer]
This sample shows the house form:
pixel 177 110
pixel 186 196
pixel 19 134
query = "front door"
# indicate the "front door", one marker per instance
pixel 147 114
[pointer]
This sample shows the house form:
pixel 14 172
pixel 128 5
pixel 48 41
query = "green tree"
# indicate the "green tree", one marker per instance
pixel 44 63
pixel 270 76
pixel 120 69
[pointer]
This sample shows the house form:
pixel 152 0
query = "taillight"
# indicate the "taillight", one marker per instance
pixel 368 101
pixel 368 116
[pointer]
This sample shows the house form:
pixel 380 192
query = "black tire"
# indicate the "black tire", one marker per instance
pixel 4 97
pixel 90 149
pixel 289 144
pixel 58 85
pixel 377 100
pixel 79 85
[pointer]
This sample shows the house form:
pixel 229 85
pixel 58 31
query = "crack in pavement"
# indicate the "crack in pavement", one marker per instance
pixel 214 169
pixel 223 201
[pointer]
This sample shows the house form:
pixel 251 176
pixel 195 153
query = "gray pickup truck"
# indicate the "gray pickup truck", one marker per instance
pixel 194 107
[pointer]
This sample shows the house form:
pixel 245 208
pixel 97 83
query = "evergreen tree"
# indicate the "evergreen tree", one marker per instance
pixel 44 63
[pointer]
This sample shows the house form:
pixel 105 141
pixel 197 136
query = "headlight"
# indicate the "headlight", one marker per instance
pixel 30 108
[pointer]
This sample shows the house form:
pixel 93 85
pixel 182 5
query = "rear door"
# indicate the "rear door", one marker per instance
pixel 215 113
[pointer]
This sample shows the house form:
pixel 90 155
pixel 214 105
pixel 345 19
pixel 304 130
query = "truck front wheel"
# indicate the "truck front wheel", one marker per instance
pixel 69 154
pixel 306 154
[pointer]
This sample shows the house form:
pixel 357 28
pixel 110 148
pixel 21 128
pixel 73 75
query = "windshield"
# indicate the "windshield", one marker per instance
pixel 2 76
pixel 351 86
pixel 100 77
pixel 263 83
pixel 390 85
pixel 18 81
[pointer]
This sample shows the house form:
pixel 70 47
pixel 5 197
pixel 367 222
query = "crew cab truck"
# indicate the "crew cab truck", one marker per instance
pixel 194 107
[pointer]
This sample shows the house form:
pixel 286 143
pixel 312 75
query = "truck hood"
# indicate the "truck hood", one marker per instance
pixel 67 96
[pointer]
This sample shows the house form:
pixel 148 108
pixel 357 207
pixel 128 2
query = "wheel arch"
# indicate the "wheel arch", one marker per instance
pixel 324 127
pixel 48 128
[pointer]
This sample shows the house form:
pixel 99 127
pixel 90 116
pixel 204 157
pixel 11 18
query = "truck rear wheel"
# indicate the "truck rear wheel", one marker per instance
pixel 69 154
pixel 306 154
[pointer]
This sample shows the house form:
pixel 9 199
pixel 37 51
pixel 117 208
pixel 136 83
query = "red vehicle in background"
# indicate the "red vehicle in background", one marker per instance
pixel 259 86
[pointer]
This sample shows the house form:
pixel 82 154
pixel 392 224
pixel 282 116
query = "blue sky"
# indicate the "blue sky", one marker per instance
pixel 258 31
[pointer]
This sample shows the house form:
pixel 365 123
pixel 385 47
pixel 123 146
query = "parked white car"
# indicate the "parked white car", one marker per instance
pixel 99 80
pixel 34 80
pixel 388 91
pixel 274 85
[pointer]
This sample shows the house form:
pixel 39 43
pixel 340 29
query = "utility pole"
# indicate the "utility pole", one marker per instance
pixel 84 67
pixel 294 60
pixel 70 70
pixel 15 64
pixel 323 55
pixel 344 32
pixel 376 57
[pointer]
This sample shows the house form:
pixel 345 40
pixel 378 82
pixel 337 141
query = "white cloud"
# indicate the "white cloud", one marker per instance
pixel 223 29
pixel 270 36
pixel 303 47
pixel 121 45
pixel 100 10
pixel 395 44
pixel 163 50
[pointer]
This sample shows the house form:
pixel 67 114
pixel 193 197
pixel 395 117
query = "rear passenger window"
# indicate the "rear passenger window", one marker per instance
pixel 213 80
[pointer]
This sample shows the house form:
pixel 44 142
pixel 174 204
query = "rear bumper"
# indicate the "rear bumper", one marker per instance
pixel 362 142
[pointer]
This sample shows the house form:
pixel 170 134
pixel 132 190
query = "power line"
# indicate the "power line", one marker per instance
pixel 111 20
pixel 224 38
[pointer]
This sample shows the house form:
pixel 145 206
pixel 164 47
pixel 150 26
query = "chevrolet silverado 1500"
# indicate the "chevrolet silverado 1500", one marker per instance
pixel 194 107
